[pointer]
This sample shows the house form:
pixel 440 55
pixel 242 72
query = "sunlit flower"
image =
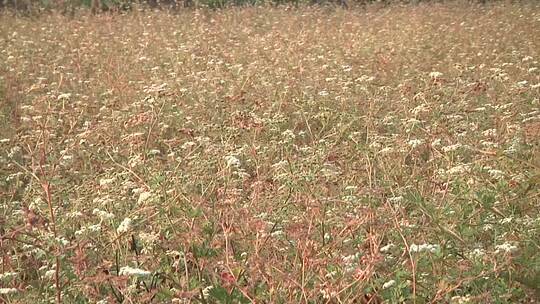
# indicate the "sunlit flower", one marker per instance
pixel 124 226
pixel 432 248
pixel 435 75
pixel 130 271
pixel 389 284
pixel 144 197
pixel 506 248
pixel 6 291
pixel 206 290
pixel 415 143
pixel 232 161
pixel 103 215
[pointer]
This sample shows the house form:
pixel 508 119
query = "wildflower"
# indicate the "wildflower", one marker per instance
pixel 395 199
pixel 130 271
pixel 349 259
pixel 103 215
pixel 424 247
pixel 490 133
pixel 460 299
pixel 323 93
pixel 206 290
pixel 415 143
pixel 496 174
pixel 276 233
pixel 478 253
pixel 7 275
pixel 327 295
pixel 389 284
pixel 435 75
pixel 232 161
pixel 288 134
pixel 106 181
pixel 505 248
pixel 459 169
pixel 144 197
pixel 65 96
pixel 451 148
pixel 522 84
pixel 5 291
pixel 49 274
pixel 148 238
pixel 154 152
pixel 187 145
pixel 386 248
pixel 124 226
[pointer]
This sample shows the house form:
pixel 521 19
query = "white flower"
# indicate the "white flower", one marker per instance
pixel 505 248
pixel 522 84
pixel 288 134
pixel 424 247
pixel 125 226
pixel 435 75
pixel 7 290
pixel 144 197
pixel 106 181
pixel 103 215
pixel 350 259
pixel 415 143
pixel 459 169
pixel 65 96
pixel 387 248
pixel 154 152
pixel 478 253
pixel 148 238
pixel 490 133
pixel 460 299
pixel 395 199
pixel 187 145
pixel 130 271
pixel 206 290
pixel 389 284
pixel 49 274
pixel 232 161
pixel 451 148
pixel 323 93
pixel 496 174
pixel 7 275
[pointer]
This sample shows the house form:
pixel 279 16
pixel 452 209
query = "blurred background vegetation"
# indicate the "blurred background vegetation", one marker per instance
pixel 70 7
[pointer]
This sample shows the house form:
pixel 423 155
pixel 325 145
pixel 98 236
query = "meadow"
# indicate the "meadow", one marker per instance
pixel 272 155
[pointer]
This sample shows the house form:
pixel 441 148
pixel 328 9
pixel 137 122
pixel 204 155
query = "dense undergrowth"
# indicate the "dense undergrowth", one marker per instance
pixel 275 156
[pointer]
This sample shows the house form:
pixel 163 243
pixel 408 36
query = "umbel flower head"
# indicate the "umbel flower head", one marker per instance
pixel 130 271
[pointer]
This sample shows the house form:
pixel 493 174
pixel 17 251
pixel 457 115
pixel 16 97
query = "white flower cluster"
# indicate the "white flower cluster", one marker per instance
pixel 6 291
pixel 145 196
pixel 7 275
pixel 130 271
pixel 506 248
pixel 103 215
pixel 432 248
pixel 232 161
pixel 389 284
pixel 124 226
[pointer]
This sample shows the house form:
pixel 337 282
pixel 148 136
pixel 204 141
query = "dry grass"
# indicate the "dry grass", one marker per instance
pixel 272 156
